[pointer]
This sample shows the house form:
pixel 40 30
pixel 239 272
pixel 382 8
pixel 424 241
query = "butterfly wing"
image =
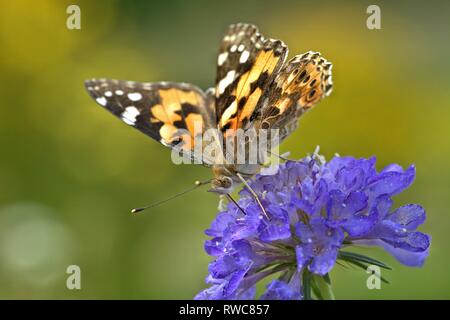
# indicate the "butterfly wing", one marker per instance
pixel 171 113
pixel 299 86
pixel 246 65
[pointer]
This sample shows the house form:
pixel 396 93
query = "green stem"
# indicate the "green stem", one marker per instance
pixel 307 285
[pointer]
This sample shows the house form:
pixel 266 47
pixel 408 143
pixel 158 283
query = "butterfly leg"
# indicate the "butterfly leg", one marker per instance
pixel 222 206
pixel 253 194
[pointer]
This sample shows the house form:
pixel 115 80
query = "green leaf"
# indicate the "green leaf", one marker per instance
pixel 351 256
pixel 364 267
pixel 327 278
pixel 322 287
pixel 316 291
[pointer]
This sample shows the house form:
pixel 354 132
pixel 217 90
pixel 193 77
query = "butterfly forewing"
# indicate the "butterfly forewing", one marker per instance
pixel 170 113
pixel 247 64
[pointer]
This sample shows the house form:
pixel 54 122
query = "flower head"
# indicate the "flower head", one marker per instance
pixel 314 208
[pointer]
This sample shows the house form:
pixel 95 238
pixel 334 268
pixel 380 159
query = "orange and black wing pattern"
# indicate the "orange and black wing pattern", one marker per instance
pixel 254 89
pixel 300 85
pixel 246 66
pixel 171 113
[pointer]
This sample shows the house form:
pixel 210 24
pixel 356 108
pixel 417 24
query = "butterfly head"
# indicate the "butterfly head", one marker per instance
pixel 222 184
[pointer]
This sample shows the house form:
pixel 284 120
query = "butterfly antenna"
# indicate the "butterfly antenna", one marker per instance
pixel 197 184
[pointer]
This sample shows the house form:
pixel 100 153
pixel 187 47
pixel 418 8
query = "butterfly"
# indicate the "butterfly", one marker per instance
pixel 256 89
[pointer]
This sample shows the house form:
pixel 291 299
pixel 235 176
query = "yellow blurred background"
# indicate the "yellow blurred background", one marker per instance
pixel 70 172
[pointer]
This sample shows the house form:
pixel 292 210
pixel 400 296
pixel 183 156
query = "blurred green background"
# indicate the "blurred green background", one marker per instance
pixel 70 172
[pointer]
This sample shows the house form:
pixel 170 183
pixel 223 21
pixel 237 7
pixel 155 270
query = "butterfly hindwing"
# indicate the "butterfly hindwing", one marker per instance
pixel 247 64
pixel 300 84
pixel 166 111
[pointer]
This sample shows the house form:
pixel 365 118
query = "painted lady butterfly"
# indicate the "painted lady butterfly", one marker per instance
pixel 255 89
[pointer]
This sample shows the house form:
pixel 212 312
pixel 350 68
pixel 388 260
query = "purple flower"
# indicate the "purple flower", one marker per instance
pixel 280 290
pixel 314 208
pixel 395 232
pixel 318 247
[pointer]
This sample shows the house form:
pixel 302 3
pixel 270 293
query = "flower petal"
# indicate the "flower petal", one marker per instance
pixel 280 290
pixel 360 224
pixel 277 228
pixel 413 241
pixel 214 292
pixel 214 246
pixel 220 223
pixel 341 208
pixel 234 282
pixel 391 182
pixel 404 256
pixel 410 216
pixel 323 263
pixel 301 257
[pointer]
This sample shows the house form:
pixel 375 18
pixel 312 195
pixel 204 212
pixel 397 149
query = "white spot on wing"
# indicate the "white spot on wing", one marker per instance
pixel 102 101
pixel 129 115
pixel 135 96
pixel 119 92
pixel 108 94
pixel 222 58
pixel 225 82
pixel 233 48
pixel 241 48
pixel 244 56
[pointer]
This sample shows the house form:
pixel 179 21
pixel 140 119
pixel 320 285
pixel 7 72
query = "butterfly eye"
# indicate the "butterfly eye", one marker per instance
pixel 226 182
pixel 265 125
pixel 177 142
